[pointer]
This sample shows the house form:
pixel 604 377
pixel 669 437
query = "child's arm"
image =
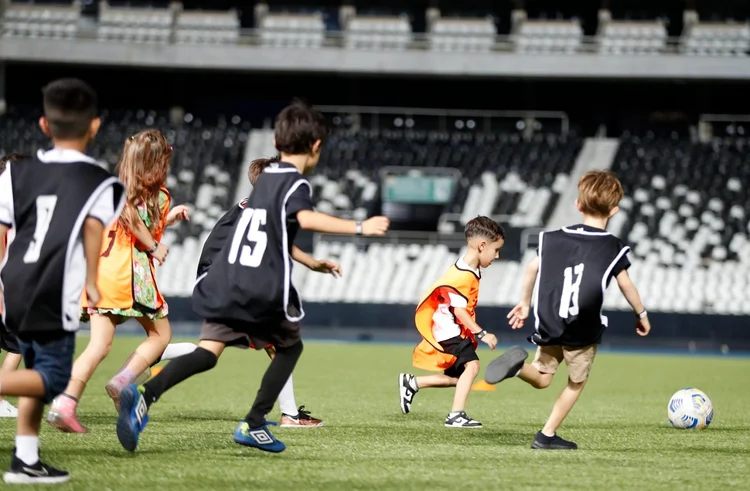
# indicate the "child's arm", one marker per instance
pixel 92 244
pixel 520 312
pixel 320 222
pixel 321 266
pixel 628 289
pixel 177 214
pixel 465 319
pixel 143 235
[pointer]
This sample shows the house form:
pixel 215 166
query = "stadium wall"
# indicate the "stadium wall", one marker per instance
pixel 395 322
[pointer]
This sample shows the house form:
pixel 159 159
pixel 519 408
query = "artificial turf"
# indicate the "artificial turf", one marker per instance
pixel 620 425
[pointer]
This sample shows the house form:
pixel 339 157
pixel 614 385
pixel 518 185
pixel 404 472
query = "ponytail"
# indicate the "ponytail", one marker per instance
pixel 257 166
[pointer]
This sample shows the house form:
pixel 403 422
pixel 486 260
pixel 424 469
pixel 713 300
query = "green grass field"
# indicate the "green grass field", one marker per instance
pixel 620 425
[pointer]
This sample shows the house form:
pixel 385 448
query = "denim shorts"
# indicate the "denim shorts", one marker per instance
pixel 52 359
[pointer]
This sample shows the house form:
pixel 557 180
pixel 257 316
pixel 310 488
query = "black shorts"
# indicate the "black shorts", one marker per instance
pixel 463 350
pixel 8 340
pixel 281 334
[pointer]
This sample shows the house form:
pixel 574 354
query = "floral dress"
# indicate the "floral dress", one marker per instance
pixel 145 294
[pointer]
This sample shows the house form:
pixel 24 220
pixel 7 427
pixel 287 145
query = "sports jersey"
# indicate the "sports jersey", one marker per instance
pixel 435 319
pixel 117 266
pixel 46 201
pixel 250 278
pixel 576 265
pixel 218 236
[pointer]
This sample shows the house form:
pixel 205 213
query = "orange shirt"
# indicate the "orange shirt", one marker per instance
pixel 428 354
pixel 115 276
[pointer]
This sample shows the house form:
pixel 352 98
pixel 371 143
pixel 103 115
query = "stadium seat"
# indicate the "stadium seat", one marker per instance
pixel 41 21
pixel 210 27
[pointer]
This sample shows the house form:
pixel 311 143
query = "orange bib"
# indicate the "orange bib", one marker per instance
pixel 115 275
pixel 428 354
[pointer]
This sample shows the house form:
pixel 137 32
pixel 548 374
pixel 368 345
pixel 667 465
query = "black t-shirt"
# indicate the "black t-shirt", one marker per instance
pixel 246 267
pixel 576 265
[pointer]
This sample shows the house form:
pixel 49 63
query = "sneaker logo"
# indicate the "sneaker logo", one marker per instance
pixel 261 436
pixel 141 409
pixel 36 472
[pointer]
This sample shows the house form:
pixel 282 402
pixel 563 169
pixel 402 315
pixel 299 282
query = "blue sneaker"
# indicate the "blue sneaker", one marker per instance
pixel 133 417
pixel 258 437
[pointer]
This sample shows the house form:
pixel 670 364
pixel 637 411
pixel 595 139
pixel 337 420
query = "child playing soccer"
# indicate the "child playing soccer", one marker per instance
pixel 127 277
pixel 446 319
pixel 58 204
pixel 568 279
pixel 8 341
pixel 247 296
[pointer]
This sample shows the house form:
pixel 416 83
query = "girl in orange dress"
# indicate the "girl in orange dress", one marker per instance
pixel 127 279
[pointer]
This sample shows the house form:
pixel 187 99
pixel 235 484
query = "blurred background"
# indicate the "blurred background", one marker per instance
pixel 441 110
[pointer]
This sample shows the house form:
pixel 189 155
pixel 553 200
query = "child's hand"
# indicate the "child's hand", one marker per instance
pixel 518 316
pixel 177 214
pixel 327 267
pixel 92 293
pixel 490 339
pixel 375 226
pixel 160 254
pixel 643 326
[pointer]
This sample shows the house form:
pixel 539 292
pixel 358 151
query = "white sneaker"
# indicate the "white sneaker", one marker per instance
pixel 7 410
pixel 407 390
pixel 461 420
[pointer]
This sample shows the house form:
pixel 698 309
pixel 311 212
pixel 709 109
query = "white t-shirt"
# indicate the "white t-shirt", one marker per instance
pixel 444 325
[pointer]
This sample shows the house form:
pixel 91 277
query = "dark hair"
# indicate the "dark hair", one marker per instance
pixel 11 157
pixel 599 191
pixel 69 106
pixel 257 166
pixel 297 127
pixel 484 227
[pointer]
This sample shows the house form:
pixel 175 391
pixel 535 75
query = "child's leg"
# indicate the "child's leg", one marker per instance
pixel 158 335
pixel 102 335
pixel 51 362
pixel 287 403
pixel 539 373
pixel 579 362
pixel 463 386
pixel 437 380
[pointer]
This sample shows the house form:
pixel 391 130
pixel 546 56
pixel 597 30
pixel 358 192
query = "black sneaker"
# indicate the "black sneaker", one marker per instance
pixel 506 365
pixel 544 442
pixel 39 473
pixel 461 420
pixel 407 389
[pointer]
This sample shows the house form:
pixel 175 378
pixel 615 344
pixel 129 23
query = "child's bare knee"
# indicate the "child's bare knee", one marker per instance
pixel 472 367
pixel 98 351
pixel 543 381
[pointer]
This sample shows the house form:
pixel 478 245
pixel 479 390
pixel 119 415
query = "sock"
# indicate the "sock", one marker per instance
pixel 176 371
pixel 176 350
pixel 518 372
pixel 27 449
pixel 413 384
pixel 287 404
pixel 143 377
pixel 123 378
pixel 66 403
pixel 277 374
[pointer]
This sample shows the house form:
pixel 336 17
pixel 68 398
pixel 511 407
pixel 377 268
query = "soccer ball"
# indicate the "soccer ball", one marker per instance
pixel 690 409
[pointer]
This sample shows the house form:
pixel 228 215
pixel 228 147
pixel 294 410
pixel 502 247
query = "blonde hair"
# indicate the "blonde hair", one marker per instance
pixel 143 169
pixel 599 192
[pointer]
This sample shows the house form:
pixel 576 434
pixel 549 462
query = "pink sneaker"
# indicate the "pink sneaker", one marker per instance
pixel 62 415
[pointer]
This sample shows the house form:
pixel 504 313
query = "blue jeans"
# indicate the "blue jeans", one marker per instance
pixel 52 359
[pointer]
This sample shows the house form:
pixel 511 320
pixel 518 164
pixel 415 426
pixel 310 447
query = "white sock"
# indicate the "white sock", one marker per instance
pixel 287 404
pixel 27 449
pixel 518 372
pixel 175 350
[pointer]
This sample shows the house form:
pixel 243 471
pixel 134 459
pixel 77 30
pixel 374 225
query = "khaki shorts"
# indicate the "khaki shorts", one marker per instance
pixel 578 360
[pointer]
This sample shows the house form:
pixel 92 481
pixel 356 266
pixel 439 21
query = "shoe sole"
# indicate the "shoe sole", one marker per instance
pixel 19 478
pixel 302 426
pixel 402 402
pixel 55 420
pixel 113 394
pixel 541 446
pixel 503 367
pixel 128 438
pixel 8 415
pixel 259 447
pixel 464 427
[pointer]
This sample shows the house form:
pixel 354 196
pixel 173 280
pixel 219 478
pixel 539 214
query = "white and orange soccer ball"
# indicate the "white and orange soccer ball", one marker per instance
pixel 690 409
